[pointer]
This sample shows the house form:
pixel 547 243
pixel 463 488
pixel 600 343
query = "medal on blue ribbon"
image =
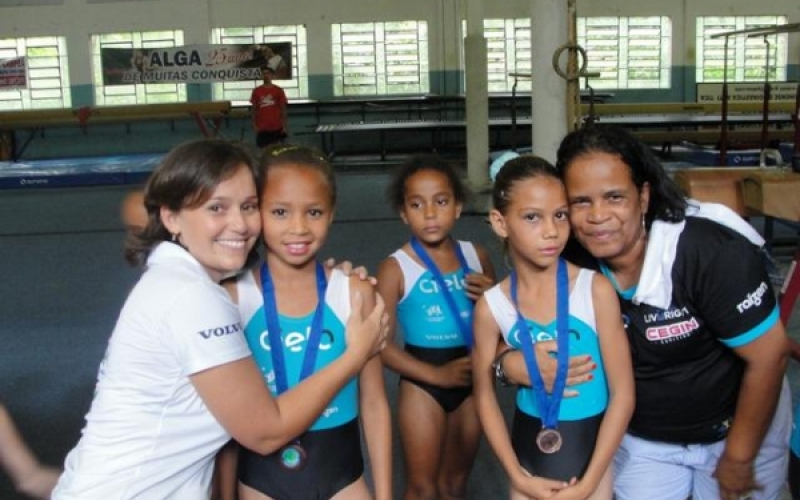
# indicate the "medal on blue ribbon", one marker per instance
pixel 292 456
pixel 430 265
pixel 548 440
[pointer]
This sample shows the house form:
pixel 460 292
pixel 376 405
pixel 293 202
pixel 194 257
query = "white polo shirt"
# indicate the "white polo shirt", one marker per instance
pixel 148 435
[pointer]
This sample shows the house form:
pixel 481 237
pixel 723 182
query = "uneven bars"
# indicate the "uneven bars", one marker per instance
pixel 780 28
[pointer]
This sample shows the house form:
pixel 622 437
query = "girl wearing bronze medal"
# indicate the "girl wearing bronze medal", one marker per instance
pixel 295 314
pixel 558 447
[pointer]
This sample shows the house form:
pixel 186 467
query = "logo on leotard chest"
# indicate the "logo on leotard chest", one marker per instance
pixel 434 313
pixel 540 335
pixel 297 341
pixel 429 286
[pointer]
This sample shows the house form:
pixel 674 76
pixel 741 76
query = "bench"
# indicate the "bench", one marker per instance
pixel 433 127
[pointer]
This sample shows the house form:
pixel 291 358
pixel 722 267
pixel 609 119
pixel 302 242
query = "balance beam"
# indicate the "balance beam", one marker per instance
pixel 37 118
pixel 40 118
pixel 162 111
pixel 207 115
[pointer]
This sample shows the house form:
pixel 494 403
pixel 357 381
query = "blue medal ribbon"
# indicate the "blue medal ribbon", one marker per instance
pixel 274 328
pixel 430 265
pixel 549 406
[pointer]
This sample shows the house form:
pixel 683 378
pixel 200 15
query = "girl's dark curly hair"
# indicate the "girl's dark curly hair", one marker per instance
pixel 396 190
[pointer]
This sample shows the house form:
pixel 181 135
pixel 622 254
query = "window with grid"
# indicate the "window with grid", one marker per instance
pixel 141 93
pixel 508 44
pixel 380 58
pixel 748 57
pixel 48 75
pixel 297 87
pixel 627 52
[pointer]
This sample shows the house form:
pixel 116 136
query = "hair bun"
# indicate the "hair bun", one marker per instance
pixel 500 162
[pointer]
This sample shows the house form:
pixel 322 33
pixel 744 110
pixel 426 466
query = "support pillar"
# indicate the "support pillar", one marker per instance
pixel 549 31
pixel 477 97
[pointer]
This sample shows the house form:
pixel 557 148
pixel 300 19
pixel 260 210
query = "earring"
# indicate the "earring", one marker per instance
pixel 174 237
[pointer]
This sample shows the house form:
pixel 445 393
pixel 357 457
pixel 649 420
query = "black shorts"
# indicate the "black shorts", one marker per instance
pixel 448 399
pixel 267 137
pixel 334 462
pixel 579 437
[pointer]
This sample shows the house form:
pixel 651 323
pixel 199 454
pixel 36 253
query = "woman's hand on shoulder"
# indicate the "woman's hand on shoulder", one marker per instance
pixel 366 328
pixel 347 268
pixel 364 288
pixel 477 283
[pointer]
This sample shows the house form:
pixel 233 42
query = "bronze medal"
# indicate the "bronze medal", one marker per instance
pixel 293 457
pixel 548 440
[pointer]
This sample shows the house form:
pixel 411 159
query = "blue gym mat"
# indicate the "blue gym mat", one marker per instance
pixel 86 171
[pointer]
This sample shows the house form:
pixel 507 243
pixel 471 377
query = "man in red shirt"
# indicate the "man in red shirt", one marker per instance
pixel 269 111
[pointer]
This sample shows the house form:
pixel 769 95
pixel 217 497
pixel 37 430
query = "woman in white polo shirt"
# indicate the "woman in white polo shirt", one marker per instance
pixel 178 380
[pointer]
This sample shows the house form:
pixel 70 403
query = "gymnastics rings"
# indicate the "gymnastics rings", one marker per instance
pixel 581 52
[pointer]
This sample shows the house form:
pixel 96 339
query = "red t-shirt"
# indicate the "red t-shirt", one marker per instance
pixel 267 104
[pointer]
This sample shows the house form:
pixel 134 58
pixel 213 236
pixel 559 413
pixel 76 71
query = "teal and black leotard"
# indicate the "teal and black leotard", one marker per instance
pixel 430 331
pixel 579 417
pixel 336 429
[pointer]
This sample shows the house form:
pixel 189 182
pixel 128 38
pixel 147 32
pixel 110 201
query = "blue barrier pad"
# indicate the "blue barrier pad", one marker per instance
pixel 87 171
pixel 709 157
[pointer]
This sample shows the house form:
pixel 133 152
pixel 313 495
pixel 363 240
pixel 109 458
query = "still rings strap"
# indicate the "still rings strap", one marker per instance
pixel 548 405
pixel 466 330
pixel 274 328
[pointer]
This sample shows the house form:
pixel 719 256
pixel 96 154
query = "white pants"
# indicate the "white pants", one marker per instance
pixel 663 471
